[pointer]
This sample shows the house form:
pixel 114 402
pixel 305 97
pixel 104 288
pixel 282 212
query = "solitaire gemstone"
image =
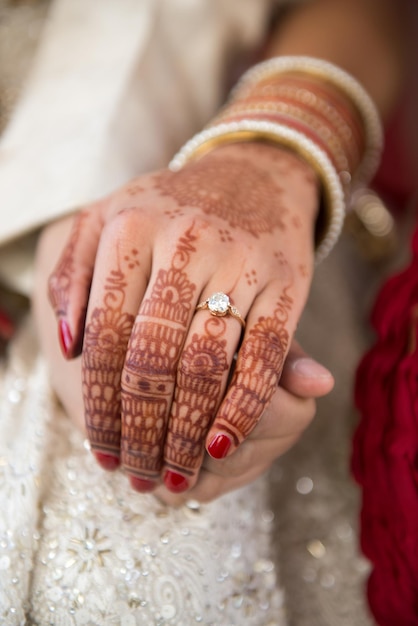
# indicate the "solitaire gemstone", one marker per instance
pixel 218 303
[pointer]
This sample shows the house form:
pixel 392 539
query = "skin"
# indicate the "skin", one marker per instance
pixel 327 29
pixel 157 376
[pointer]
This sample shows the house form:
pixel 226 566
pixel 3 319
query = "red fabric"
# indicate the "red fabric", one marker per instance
pixel 385 451
pixel 7 327
pixel 385 447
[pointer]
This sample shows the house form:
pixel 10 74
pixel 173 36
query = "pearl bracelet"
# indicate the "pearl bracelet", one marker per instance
pixel 253 130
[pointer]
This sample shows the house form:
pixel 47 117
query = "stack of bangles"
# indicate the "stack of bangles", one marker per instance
pixel 313 108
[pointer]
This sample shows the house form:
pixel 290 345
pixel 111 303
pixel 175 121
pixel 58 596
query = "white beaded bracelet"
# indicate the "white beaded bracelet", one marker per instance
pixel 342 80
pixel 247 130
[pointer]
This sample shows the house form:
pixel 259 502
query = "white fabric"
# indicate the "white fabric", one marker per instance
pixel 116 88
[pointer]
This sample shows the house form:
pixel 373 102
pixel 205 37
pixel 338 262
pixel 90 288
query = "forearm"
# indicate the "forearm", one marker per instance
pixel 364 37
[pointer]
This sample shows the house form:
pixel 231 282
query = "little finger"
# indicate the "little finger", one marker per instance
pixel 257 372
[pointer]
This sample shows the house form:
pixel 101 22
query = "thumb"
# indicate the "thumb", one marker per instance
pixel 69 283
pixel 303 376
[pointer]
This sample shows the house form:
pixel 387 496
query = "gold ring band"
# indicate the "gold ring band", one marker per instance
pixel 220 305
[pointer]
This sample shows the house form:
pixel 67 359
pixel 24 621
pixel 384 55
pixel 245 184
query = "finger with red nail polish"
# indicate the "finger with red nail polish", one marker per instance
pixel 70 282
pixel 175 482
pixel 108 462
pixel 219 446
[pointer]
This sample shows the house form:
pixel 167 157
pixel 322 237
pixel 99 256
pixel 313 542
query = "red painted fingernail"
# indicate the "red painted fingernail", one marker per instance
pixel 107 461
pixel 175 482
pixel 141 484
pixel 65 337
pixel 219 446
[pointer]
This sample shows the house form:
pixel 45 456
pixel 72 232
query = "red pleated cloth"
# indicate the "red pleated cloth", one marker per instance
pixel 385 450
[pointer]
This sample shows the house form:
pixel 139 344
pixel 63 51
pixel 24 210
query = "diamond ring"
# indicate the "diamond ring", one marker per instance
pixel 219 305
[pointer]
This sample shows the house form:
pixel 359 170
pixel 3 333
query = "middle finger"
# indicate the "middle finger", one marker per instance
pixel 149 372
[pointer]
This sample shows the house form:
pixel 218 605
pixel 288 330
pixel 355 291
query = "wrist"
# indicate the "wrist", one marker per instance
pixel 316 110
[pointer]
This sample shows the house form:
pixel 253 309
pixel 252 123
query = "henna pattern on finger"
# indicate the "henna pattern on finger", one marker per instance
pixel 106 338
pixel 251 277
pixel 60 293
pixel 237 191
pixel 259 365
pixel 59 283
pixel 132 262
pixel 153 352
pixel 197 395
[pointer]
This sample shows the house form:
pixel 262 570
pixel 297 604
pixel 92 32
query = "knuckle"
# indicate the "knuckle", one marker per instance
pixel 125 224
pixel 195 371
pixel 205 228
pixel 199 221
pixel 119 226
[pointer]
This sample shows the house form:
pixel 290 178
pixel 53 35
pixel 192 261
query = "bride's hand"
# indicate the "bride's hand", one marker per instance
pixel 155 370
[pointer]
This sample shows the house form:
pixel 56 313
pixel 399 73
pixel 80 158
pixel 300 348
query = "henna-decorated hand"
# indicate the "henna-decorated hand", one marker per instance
pixel 291 409
pixel 154 371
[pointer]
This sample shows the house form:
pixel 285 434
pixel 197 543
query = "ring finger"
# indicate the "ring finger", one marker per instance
pixel 149 373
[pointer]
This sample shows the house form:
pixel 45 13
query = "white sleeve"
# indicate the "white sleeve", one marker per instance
pixel 115 89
